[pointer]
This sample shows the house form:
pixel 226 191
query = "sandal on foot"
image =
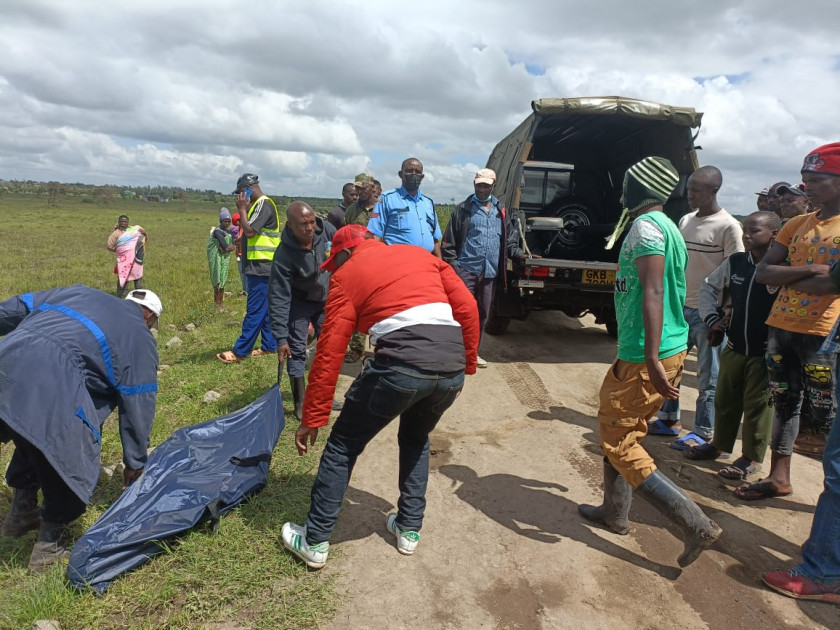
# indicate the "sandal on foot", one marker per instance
pixel 760 490
pixel 228 357
pixel 659 427
pixel 688 441
pixel 704 451
pixel 261 352
pixel 740 469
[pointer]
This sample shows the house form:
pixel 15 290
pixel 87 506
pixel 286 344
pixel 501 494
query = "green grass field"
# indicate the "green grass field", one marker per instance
pixel 240 572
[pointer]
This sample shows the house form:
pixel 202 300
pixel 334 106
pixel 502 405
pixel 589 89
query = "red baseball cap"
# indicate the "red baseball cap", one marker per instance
pixel 346 237
pixel 825 159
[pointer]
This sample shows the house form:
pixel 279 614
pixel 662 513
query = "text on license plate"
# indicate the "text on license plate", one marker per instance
pixel 598 276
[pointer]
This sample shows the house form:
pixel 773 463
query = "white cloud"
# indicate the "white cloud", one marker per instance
pixel 309 93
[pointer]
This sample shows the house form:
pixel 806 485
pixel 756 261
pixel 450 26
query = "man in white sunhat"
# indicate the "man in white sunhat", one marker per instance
pixel 69 357
pixel 478 241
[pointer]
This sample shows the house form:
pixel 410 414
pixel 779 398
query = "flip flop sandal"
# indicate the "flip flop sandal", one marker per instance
pixel 739 473
pixel 687 441
pixel 703 452
pixel 228 357
pixel 261 352
pixel 658 427
pixel 759 491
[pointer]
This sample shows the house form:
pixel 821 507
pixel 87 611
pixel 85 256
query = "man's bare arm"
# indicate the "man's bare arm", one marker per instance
pixel 651 273
pixel 772 269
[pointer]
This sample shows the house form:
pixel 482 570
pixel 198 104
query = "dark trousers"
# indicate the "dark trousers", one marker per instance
pixel 30 469
pixel 383 391
pixel 482 289
pixel 255 323
pixel 301 314
pixel 798 373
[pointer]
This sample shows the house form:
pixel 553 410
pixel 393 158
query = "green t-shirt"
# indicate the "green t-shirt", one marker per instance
pixel 651 234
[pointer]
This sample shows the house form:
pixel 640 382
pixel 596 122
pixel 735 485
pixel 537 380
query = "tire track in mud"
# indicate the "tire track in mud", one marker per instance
pixel 526 385
pixel 529 389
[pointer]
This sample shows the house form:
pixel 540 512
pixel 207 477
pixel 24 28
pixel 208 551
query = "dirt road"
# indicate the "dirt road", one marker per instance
pixel 503 546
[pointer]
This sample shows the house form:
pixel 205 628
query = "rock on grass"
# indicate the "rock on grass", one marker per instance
pixel 211 396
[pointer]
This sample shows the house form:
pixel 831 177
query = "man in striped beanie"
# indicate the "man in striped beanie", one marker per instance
pixel 652 342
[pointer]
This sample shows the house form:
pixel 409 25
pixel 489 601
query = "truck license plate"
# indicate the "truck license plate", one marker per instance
pixel 598 276
pixel 532 284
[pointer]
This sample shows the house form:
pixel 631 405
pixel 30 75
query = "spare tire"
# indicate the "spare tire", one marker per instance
pixel 574 237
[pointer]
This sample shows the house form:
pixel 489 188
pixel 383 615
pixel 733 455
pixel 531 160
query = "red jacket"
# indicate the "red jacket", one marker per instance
pixel 379 281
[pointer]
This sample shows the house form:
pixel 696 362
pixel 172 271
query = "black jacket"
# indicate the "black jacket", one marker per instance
pixel 459 225
pixel 751 303
pixel 296 275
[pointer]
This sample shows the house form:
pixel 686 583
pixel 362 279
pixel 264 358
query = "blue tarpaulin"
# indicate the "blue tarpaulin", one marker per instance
pixel 199 473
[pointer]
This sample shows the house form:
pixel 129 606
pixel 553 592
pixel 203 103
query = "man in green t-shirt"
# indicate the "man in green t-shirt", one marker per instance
pixel 650 283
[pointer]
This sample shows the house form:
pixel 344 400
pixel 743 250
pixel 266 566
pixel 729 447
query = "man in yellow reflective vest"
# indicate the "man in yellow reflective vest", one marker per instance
pixel 260 226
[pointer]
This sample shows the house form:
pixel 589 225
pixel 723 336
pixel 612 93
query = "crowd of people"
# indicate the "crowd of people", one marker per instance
pixel 759 302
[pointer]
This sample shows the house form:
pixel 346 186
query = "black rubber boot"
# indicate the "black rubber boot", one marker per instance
pixel 298 389
pixel 699 531
pixel 24 514
pixel 618 495
pixel 52 545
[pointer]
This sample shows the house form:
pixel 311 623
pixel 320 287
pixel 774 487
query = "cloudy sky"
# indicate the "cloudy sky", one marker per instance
pixel 308 93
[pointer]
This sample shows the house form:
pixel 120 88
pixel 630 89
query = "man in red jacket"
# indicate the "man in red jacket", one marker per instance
pixel 424 324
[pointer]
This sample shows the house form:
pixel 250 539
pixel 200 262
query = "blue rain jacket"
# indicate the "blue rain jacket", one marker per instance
pixel 199 473
pixel 69 357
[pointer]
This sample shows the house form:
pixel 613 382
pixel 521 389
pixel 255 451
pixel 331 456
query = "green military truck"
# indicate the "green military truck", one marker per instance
pixel 560 173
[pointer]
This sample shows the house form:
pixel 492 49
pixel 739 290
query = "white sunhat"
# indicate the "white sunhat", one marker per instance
pixel 146 298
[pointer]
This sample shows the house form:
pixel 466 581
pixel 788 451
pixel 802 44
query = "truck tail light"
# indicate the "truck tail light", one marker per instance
pixel 538 272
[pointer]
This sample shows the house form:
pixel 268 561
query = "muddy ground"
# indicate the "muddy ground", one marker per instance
pixel 503 546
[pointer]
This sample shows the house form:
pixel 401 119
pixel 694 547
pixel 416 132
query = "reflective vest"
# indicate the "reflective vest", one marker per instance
pixel 261 245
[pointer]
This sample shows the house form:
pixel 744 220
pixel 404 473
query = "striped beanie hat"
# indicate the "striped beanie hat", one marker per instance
pixel 649 181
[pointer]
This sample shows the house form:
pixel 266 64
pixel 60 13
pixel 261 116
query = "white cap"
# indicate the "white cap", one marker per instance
pixel 146 298
pixel 485 176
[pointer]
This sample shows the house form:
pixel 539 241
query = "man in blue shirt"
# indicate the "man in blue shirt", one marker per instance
pixel 478 240
pixel 405 215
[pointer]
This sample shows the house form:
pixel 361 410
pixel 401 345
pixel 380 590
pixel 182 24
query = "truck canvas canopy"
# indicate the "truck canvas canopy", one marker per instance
pixel 599 132
pixel 559 173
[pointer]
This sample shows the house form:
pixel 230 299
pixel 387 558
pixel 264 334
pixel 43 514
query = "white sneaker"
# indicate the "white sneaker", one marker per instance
pixel 406 540
pixel 294 539
pixel 481 362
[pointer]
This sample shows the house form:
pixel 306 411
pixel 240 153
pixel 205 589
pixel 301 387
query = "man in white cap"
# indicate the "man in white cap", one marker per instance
pixel 69 357
pixel 477 242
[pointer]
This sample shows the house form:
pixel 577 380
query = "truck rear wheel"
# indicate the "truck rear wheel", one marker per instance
pixel 495 324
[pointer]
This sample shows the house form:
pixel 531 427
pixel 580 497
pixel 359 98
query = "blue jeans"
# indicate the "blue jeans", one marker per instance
pixel 821 554
pixel 384 390
pixel 256 319
pixel 708 363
